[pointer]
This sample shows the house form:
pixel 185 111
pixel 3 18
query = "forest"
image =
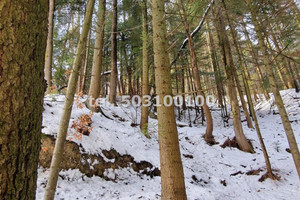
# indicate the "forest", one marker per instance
pixel 149 99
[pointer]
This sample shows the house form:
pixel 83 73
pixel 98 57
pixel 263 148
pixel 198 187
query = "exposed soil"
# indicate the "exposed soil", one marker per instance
pixel 89 164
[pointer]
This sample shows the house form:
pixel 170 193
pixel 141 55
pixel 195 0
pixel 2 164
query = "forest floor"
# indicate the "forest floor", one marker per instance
pixel 211 172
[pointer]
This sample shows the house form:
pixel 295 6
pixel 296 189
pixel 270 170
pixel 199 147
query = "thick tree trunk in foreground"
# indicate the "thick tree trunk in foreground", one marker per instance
pixel 114 70
pixel 274 87
pixel 22 86
pixel 95 85
pixel 229 65
pixel 172 177
pixel 145 78
pixel 65 118
pixel 49 50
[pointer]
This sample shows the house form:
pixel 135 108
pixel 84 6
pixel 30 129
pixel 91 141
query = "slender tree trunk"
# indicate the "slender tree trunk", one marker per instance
pixel 209 138
pixel 95 85
pixel 114 70
pixel 121 82
pixel 254 117
pixel 145 76
pixel 129 71
pixel 241 139
pixel 243 102
pixel 287 73
pixel 257 67
pixel 274 87
pixel 83 82
pixel 239 87
pixel 278 67
pixel 49 50
pixel 172 177
pixel 65 117
pixel 248 94
pixel 22 87
pixel 212 54
pixel 183 89
pixel 81 72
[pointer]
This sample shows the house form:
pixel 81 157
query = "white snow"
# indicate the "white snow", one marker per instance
pixel 204 172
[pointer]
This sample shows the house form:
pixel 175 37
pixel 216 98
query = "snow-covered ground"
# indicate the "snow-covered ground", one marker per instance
pixel 208 169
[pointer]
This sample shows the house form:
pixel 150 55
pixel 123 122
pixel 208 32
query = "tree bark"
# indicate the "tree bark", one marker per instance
pixel 145 75
pixel 274 87
pixel 257 67
pixel 287 73
pixel 212 54
pixel 242 141
pixel 114 70
pixel 248 94
pixel 85 65
pixel 172 177
pixel 23 39
pixel 49 49
pixel 95 85
pixel 65 117
pixel 209 138
pixel 239 87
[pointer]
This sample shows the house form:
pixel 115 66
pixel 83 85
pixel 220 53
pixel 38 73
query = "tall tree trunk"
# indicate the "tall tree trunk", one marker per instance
pixel 228 63
pixel 172 177
pixel 81 72
pixel 212 54
pixel 23 37
pixel 85 65
pixel 49 49
pixel 277 67
pixel 257 67
pixel 65 117
pixel 274 87
pixel 241 94
pixel 239 87
pixel 114 70
pixel 145 75
pixel 287 73
pixel 128 68
pixel 248 94
pixel 95 85
pixel 209 138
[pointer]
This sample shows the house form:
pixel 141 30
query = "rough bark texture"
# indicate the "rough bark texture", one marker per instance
pixel 172 177
pixel 274 87
pixel 65 118
pixel 229 65
pixel 49 50
pixel 23 37
pixel 114 70
pixel 145 79
pixel 95 85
